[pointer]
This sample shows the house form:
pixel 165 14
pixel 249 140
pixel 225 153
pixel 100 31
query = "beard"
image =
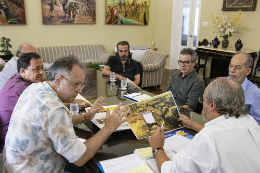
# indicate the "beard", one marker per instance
pixel 237 79
pixel 123 58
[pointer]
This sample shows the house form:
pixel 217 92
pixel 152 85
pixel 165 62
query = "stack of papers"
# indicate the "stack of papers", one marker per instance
pixel 128 164
pixel 137 97
pixel 99 119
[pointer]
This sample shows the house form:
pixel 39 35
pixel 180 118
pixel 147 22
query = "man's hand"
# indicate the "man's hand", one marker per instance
pixel 190 124
pixel 157 139
pixel 120 77
pixel 114 120
pixel 83 103
pixel 95 108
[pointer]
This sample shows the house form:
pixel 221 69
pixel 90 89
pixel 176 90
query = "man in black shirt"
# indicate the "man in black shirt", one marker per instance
pixel 123 66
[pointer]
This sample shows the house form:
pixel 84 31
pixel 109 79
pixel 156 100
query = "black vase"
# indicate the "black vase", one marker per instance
pixel 238 45
pixel 215 42
pixel 6 57
pixel 225 42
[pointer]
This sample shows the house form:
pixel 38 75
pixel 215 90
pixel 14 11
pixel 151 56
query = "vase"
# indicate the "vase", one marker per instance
pixel 225 42
pixel 238 45
pixel 215 42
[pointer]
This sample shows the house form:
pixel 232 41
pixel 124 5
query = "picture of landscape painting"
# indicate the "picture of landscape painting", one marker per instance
pixel 69 11
pixel 12 12
pixel 127 12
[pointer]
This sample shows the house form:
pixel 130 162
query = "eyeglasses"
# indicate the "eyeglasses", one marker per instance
pixel 184 62
pixel 77 86
pixel 201 99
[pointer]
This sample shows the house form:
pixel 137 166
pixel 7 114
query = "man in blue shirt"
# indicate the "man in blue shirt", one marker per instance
pixel 240 66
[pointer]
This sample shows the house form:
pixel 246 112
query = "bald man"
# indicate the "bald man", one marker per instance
pixel 10 68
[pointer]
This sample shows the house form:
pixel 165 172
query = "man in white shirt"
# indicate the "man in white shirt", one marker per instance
pixel 229 142
pixel 10 68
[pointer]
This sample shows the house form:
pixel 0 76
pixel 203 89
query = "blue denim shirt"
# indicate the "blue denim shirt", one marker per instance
pixel 252 96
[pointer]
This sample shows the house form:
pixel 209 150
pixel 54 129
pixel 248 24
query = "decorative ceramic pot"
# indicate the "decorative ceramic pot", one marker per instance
pixel 238 45
pixel 225 42
pixel 215 42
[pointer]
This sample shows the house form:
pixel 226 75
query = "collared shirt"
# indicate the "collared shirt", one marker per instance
pixel 252 96
pixel 9 70
pixel 186 90
pixel 130 67
pixel 40 133
pixel 223 145
pixel 9 96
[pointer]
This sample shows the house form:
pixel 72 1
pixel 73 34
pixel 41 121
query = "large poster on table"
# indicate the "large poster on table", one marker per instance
pixel 68 12
pixel 127 12
pixel 12 12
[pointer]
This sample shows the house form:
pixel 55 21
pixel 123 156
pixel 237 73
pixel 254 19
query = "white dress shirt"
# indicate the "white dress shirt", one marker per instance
pixel 9 70
pixel 223 146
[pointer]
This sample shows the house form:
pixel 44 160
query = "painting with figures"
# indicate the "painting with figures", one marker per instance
pixel 68 11
pixel 12 12
pixel 127 12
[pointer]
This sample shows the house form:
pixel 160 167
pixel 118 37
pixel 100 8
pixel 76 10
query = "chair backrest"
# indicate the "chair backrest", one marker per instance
pixel 83 52
pixel 151 57
pixel 141 73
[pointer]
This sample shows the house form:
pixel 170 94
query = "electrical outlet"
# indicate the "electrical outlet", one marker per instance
pixel 152 43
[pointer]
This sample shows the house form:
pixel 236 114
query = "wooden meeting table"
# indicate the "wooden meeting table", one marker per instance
pixel 120 143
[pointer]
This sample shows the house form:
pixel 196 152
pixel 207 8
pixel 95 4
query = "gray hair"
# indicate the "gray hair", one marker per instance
pixel 63 66
pixel 229 97
pixel 249 61
pixel 191 52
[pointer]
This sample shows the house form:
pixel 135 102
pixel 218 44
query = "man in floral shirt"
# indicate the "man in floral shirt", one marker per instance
pixel 41 132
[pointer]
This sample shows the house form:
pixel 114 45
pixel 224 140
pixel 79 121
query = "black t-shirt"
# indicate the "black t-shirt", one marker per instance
pixel 129 69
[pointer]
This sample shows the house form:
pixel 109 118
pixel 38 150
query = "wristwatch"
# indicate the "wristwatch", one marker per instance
pixel 156 149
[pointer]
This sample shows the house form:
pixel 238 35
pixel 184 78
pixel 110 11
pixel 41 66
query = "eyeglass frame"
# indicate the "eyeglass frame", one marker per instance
pixel 74 84
pixel 201 100
pixel 184 62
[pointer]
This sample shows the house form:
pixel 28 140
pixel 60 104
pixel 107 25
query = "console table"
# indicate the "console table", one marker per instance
pixel 221 58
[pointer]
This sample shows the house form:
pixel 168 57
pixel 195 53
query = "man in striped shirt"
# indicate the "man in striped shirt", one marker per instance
pixel 10 68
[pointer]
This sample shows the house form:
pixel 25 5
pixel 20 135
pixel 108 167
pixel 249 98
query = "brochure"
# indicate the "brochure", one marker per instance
pixel 149 114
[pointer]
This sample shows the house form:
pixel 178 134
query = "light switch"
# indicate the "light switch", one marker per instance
pixel 205 24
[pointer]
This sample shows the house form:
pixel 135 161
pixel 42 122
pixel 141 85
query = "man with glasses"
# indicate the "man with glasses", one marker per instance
pixel 30 69
pixel 186 86
pixel 10 68
pixel 229 142
pixel 123 66
pixel 41 135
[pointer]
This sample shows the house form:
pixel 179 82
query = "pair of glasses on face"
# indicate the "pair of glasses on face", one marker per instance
pixel 77 86
pixel 184 62
pixel 201 99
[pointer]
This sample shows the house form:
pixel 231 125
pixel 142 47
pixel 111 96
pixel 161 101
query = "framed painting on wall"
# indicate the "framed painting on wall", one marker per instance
pixel 235 5
pixel 127 12
pixel 12 12
pixel 68 12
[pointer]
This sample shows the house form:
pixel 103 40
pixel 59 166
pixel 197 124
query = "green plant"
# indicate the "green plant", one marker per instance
pixel 90 65
pixel 5 45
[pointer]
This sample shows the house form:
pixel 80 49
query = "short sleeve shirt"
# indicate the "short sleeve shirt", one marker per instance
pixel 186 90
pixel 130 67
pixel 40 133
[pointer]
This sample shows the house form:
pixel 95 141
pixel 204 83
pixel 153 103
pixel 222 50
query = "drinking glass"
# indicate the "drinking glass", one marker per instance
pixel 74 108
pixel 112 76
pixel 123 83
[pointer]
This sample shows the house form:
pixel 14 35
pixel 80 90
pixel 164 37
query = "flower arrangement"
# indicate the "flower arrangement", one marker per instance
pixel 227 24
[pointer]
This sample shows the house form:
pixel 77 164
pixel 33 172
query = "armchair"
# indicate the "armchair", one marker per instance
pixel 153 68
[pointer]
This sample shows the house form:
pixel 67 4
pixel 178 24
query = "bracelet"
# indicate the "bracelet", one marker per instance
pixel 86 118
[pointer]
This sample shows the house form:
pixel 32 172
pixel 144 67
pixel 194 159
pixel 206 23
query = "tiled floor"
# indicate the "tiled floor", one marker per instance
pixel 166 79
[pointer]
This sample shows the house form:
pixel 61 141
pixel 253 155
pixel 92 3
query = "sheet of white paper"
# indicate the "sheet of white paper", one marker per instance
pixel 122 164
pixel 82 140
pixel 153 165
pixel 149 118
pixel 174 144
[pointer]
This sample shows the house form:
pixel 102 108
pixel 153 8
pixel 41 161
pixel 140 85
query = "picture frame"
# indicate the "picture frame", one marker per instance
pixel 233 5
pixel 12 12
pixel 58 12
pixel 127 12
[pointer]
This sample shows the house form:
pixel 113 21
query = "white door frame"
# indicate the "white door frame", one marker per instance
pixel 177 14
